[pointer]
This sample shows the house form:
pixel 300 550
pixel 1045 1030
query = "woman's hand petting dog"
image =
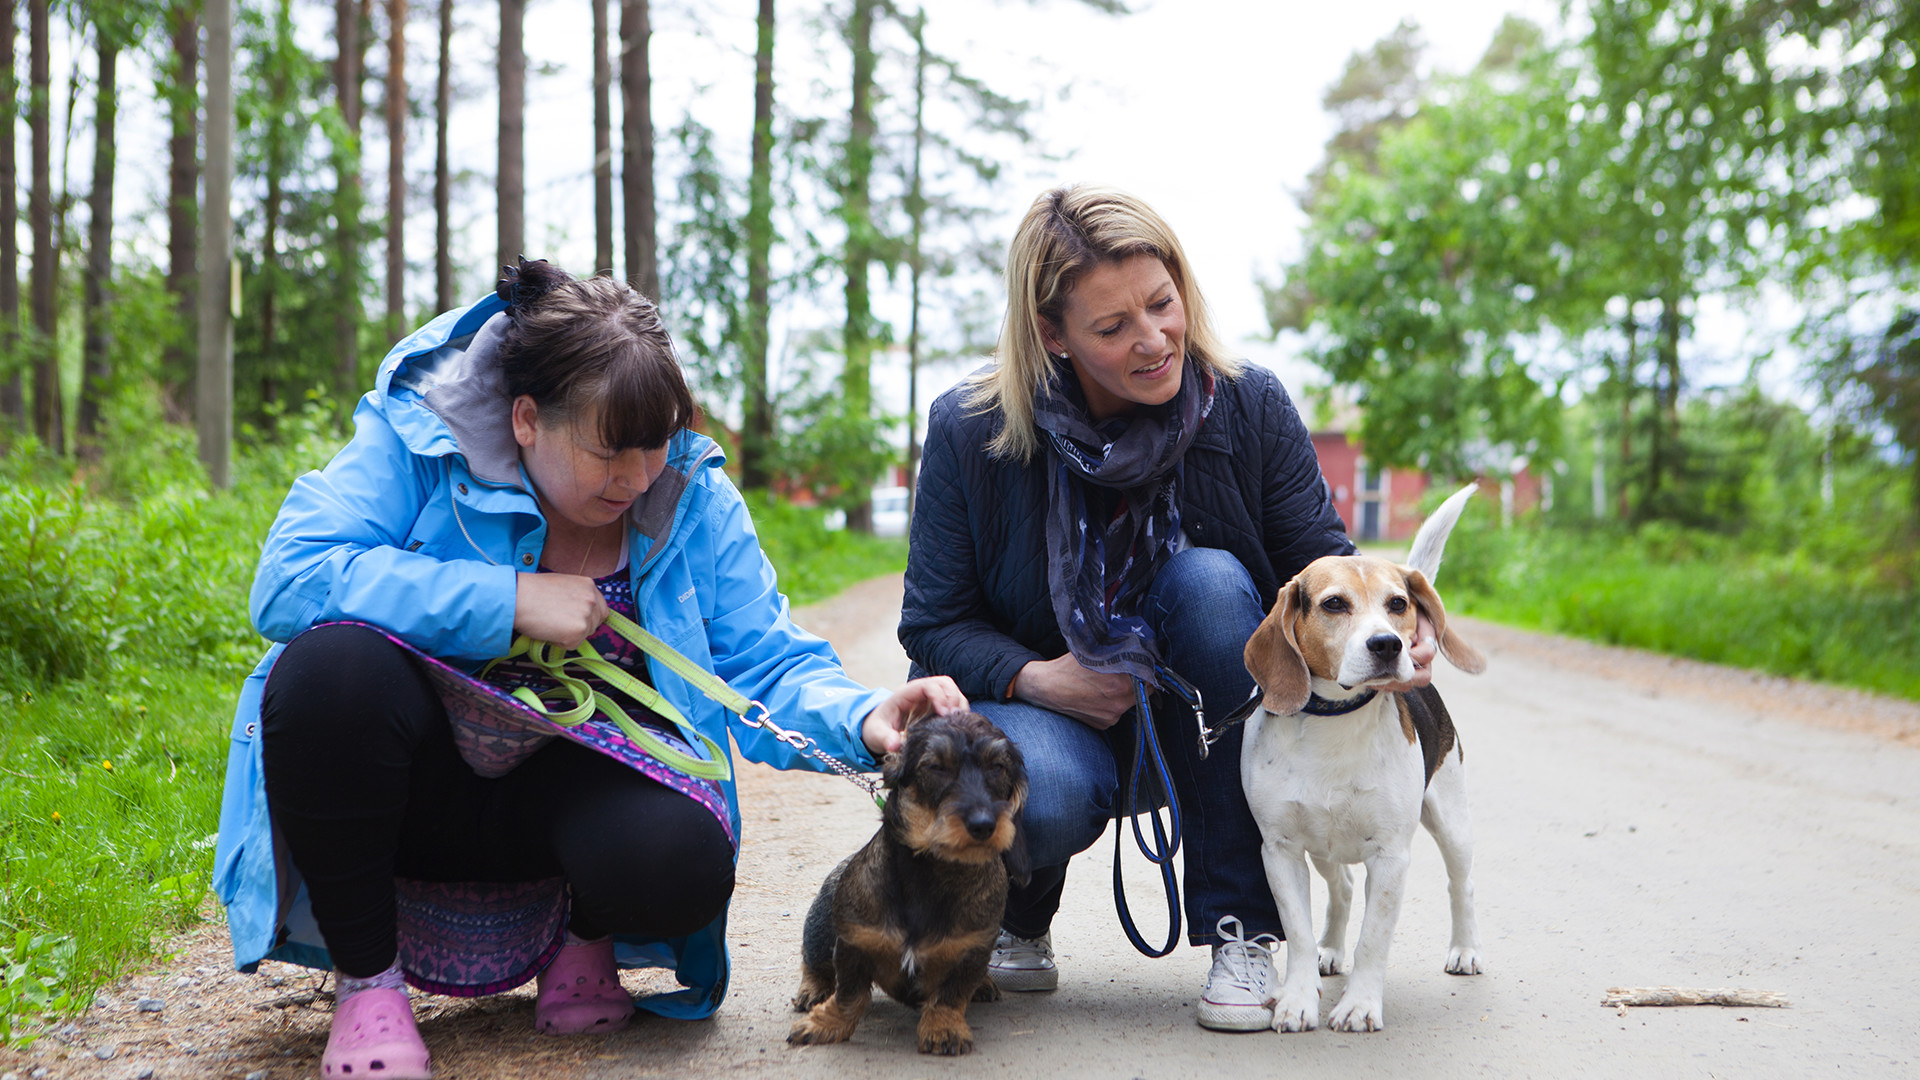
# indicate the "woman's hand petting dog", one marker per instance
pixel 1097 699
pixel 935 695
pixel 1426 646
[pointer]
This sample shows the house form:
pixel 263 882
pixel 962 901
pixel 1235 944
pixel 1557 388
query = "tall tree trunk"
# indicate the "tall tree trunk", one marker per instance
pixel 511 178
pixel 279 153
pixel 95 364
pixel 636 136
pixel 602 142
pixel 756 436
pixel 13 401
pixel 916 257
pixel 213 385
pixel 442 168
pixel 397 168
pixel 183 207
pixel 347 79
pixel 857 211
pixel 1629 360
pixel 44 271
pixel 1664 445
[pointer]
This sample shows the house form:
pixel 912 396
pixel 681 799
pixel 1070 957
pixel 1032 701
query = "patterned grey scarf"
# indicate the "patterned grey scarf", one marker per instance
pixel 1099 571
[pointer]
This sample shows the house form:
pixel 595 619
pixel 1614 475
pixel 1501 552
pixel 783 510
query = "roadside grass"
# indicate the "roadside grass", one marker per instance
pixel 123 643
pixel 1693 594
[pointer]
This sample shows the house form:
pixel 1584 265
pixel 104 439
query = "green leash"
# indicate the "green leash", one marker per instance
pixel 585 702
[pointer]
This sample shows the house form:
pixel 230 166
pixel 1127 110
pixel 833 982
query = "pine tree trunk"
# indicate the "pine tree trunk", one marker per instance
pixel 857 211
pixel 636 136
pixel 347 78
pixel 213 384
pixel 442 168
pixel 96 365
pixel 1628 362
pixel 13 402
pixel 45 269
pixel 183 209
pixel 396 168
pixel 511 177
pixel 916 258
pixel 756 435
pixel 602 142
pixel 278 155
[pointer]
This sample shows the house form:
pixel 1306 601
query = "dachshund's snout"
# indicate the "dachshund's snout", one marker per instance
pixel 981 823
pixel 1384 646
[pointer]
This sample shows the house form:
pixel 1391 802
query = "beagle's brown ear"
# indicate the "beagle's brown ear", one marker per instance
pixel 1452 645
pixel 1273 656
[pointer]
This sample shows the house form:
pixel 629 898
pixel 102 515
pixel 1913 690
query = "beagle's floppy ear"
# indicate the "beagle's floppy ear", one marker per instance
pixel 1273 656
pixel 1452 646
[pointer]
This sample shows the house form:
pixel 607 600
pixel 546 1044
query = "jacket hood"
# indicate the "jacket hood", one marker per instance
pixel 443 391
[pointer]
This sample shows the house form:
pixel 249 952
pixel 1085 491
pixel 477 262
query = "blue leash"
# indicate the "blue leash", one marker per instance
pixel 1166 840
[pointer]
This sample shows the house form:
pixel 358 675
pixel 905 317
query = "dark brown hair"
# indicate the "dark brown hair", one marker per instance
pixel 581 342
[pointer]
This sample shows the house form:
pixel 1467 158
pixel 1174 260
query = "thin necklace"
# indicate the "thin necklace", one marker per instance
pixel 591 540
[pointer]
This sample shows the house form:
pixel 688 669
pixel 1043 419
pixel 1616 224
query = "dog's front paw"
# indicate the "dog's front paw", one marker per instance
pixel 811 1030
pixel 945 1033
pixel 986 991
pixel 1463 961
pixel 1356 1013
pixel 1298 1009
pixel 1329 961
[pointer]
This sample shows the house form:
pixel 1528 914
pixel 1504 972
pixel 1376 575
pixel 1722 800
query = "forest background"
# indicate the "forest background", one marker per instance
pixel 1659 251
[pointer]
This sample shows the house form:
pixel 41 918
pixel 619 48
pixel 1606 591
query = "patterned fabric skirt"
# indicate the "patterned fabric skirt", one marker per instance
pixel 468 939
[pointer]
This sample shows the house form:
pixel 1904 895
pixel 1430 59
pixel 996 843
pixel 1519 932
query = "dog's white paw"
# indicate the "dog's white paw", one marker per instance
pixel 1297 1010
pixel 1463 961
pixel 1329 961
pixel 1357 1014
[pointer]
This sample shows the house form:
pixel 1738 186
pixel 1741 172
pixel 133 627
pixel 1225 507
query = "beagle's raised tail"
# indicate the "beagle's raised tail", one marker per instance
pixel 1431 541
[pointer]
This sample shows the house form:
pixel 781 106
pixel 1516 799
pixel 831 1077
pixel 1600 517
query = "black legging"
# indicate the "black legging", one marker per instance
pixel 364 784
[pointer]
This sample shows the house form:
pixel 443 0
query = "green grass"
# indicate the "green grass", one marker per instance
pixel 1695 595
pixel 123 643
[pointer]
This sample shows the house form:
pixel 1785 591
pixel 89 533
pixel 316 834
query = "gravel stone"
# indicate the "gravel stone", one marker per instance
pixel 150 1004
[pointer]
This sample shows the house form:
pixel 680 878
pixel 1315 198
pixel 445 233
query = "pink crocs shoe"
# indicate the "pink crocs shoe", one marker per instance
pixel 374 1036
pixel 580 991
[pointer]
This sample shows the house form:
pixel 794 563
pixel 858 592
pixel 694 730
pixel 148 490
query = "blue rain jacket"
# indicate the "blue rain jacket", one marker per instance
pixel 419 525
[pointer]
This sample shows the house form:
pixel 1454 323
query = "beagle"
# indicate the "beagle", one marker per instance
pixel 1341 773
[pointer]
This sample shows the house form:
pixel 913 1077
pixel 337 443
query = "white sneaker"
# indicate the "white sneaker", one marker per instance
pixel 1020 964
pixel 1240 988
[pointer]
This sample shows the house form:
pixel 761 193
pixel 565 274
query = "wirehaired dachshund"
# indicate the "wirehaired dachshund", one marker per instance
pixel 917 909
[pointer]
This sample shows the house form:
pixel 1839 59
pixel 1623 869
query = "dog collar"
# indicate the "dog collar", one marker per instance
pixel 1319 706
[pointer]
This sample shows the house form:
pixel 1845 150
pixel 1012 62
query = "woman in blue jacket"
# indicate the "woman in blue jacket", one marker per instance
pixel 522 469
pixel 1116 497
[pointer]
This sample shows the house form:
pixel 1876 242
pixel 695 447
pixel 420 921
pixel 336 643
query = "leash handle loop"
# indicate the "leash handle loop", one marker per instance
pixel 1146 744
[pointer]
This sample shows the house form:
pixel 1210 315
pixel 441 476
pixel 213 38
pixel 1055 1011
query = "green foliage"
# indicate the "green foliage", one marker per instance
pixel 33 973
pixel 813 561
pixel 1690 593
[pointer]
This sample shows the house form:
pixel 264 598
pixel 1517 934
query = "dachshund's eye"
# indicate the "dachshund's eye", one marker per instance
pixel 1397 605
pixel 1334 605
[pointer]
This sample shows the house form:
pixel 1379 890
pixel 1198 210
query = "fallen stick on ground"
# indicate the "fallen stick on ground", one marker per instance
pixel 1680 995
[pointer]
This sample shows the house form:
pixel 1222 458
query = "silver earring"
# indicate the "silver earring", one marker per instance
pixel 1063 356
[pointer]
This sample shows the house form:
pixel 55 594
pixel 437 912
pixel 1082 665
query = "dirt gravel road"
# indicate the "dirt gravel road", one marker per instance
pixel 1640 821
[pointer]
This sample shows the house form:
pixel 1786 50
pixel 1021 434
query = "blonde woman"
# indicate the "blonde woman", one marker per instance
pixel 1117 495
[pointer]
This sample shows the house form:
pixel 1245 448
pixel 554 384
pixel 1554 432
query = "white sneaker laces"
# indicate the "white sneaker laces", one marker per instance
pixel 1246 963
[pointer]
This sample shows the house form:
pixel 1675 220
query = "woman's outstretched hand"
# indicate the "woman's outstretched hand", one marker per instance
pixel 1097 699
pixel 561 608
pixel 933 695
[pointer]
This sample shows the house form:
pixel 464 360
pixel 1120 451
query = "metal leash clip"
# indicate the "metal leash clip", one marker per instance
pixel 807 746
pixel 1211 735
pixel 1189 693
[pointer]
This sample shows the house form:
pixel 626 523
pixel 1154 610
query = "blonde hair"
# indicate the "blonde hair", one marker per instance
pixel 1068 231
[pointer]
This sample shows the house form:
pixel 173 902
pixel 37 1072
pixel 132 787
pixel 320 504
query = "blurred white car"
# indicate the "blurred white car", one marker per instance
pixel 890 511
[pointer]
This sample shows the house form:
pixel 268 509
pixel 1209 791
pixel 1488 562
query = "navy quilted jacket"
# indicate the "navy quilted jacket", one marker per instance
pixel 976 605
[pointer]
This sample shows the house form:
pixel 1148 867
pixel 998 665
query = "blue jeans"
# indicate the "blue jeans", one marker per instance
pixel 1203 609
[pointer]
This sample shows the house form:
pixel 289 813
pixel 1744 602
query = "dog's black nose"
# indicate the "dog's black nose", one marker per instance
pixel 1384 646
pixel 981 823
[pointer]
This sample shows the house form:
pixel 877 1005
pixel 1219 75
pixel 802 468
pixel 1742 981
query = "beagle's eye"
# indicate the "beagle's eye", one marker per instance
pixel 1334 605
pixel 1397 605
